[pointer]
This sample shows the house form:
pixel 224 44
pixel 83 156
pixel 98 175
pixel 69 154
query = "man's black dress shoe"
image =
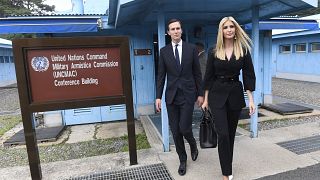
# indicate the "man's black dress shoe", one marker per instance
pixel 182 168
pixel 194 154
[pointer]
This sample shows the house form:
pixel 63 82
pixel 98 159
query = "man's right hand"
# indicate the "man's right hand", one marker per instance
pixel 158 105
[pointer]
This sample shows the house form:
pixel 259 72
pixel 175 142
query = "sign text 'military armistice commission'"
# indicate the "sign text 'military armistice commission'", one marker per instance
pixel 74 73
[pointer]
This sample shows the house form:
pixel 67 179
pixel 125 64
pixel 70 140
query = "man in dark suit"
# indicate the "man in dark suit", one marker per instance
pixel 179 62
pixel 202 58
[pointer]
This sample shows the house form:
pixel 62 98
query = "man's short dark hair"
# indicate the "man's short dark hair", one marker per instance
pixel 172 21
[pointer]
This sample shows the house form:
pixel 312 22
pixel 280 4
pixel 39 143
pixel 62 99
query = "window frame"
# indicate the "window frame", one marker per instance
pixel 311 44
pixel 6 59
pixel 11 59
pixel 284 45
pixel 1 59
pixel 298 44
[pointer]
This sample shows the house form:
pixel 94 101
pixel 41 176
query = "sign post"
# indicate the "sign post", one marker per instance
pixel 67 73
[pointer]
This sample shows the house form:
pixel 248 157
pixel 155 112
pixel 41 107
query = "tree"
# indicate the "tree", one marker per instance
pixel 307 12
pixel 24 7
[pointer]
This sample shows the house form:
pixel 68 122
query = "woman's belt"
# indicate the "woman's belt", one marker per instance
pixel 228 78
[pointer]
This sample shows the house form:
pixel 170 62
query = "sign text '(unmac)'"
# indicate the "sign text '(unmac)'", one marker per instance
pixel 88 61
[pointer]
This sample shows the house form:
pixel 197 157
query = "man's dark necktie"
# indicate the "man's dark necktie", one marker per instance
pixel 176 52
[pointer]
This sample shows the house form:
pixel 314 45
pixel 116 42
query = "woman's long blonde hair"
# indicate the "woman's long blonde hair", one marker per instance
pixel 242 43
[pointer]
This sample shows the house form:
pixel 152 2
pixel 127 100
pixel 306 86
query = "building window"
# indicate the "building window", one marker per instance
pixel 11 59
pixel 6 59
pixel 315 47
pixel 300 47
pixel 1 59
pixel 285 48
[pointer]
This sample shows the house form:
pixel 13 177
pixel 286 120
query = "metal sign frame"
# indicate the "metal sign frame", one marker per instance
pixel 20 50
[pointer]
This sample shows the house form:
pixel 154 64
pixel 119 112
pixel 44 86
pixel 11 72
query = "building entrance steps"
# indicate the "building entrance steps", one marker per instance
pixel 287 108
pixel 48 134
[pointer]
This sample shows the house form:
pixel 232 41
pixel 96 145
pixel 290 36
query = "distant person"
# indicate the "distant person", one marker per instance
pixel 179 62
pixel 224 91
pixel 202 58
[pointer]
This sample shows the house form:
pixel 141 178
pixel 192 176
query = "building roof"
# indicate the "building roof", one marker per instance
pixel 50 24
pixel 298 33
pixel 286 24
pixel 5 43
pixel 145 12
pixel 36 16
pixel 124 12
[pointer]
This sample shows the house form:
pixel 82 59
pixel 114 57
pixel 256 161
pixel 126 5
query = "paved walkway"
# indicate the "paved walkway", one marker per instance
pixel 11 83
pixel 253 158
pixel 258 158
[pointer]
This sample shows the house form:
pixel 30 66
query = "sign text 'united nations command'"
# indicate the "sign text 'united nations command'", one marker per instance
pixel 92 69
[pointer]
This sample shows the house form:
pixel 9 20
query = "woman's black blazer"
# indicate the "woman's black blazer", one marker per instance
pixel 222 91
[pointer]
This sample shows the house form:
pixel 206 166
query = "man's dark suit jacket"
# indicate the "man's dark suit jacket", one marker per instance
pixel 188 79
pixel 203 63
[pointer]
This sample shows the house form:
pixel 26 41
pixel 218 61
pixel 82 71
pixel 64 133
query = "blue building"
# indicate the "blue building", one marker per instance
pixel 144 22
pixel 296 55
pixel 7 71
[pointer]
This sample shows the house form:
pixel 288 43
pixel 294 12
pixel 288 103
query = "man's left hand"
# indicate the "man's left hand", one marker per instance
pixel 200 101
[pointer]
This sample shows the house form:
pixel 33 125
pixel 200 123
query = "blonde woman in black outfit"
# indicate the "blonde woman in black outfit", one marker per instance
pixel 224 91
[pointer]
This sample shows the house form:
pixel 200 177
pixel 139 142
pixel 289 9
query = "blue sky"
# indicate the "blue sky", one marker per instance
pixel 90 7
pixel 61 5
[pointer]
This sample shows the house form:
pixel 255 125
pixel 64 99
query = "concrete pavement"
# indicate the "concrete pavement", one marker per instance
pixel 253 158
pixel 8 83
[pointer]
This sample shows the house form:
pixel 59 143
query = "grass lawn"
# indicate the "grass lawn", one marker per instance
pixel 7 122
pixel 17 156
pixel 10 156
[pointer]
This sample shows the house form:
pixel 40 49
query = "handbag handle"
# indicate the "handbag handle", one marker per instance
pixel 206 113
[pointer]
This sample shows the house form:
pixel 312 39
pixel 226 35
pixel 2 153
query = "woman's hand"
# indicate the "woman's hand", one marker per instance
pixel 204 105
pixel 205 101
pixel 158 105
pixel 252 108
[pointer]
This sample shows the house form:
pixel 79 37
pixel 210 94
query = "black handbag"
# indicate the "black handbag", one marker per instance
pixel 207 134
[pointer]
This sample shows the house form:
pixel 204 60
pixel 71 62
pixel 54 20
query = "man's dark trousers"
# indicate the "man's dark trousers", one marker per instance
pixel 180 121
